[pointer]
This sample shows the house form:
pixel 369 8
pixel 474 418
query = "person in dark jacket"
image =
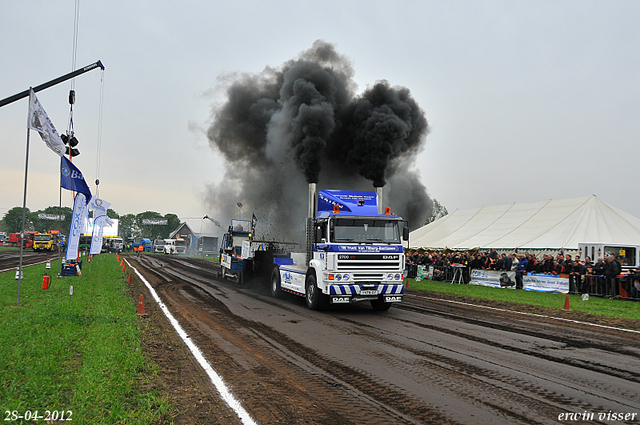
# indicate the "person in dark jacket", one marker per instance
pixel 611 271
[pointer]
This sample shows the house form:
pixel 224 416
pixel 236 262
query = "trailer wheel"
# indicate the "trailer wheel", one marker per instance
pixel 380 305
pixel 276 289
pixel 316 300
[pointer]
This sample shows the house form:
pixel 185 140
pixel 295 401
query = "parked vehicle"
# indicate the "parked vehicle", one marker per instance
pixel 158 246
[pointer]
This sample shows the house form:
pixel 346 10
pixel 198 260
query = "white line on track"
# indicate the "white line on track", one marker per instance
pixel 216 379
pixel 527 314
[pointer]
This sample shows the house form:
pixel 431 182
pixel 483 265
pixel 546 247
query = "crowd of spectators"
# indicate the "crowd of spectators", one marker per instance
pixel 585 276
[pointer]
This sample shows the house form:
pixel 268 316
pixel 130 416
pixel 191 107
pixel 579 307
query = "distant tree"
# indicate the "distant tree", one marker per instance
pixel 112 214
pixel 150 231
pixel 42 225
pixel 128 227
pixel 437 212
pixel 13 220
pixel 172 223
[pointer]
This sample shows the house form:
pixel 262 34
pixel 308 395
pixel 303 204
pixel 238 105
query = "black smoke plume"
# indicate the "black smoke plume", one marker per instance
pixel 304 123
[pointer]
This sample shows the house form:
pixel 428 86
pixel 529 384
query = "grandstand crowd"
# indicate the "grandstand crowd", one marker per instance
pixel 604 277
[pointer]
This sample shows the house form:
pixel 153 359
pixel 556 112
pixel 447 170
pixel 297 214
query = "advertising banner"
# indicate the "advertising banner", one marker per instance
pixel 546 283
pixel 494 278
pixel 108 230
pixel 79 211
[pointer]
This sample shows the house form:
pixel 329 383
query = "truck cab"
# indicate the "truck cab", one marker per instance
pixel 231 261
pixel 44 242
pixel 158 246
pixel 354 254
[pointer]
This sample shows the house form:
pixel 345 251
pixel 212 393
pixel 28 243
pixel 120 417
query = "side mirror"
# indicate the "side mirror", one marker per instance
pixel 405 233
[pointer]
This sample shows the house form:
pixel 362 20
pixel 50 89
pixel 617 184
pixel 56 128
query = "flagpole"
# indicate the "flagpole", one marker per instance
pixel 24 203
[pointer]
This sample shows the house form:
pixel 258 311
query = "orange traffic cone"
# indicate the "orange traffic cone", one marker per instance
pixel 129 279
pixel 566 304
pixel 123 266
pixel 141 306
pixel 118 256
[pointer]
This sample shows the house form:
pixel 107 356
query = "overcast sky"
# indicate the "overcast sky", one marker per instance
pixel 527 100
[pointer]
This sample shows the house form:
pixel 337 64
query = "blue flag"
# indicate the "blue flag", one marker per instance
pixel 71 178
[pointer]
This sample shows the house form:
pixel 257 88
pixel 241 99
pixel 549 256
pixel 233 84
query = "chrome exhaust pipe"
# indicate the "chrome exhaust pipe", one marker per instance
pixel 380 200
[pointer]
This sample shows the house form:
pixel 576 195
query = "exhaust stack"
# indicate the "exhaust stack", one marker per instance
pixel 380 200
pixel 310 218
pixel 312 200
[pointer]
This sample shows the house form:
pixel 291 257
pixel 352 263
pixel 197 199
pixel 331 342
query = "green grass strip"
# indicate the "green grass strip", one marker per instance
pixel 621 309
pixel 75 353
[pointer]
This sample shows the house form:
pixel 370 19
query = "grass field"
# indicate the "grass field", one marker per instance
pixel 601 306
pixel 77 354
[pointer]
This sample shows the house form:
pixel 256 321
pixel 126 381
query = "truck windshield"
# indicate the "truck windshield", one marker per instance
pixel 42 238
pixel 365 230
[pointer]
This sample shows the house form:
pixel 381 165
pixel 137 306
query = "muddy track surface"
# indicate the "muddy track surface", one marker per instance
pixel 426 361
pixel 11 259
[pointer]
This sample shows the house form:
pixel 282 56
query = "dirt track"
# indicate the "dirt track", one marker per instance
pixel 426 361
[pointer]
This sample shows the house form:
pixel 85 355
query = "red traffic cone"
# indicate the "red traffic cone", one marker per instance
pixel 123 266
pixel 129 279
pixel 141 305
pixel 118 256
pixel 566 304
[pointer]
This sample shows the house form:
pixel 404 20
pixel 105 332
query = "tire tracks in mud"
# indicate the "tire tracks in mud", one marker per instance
pixel 282 380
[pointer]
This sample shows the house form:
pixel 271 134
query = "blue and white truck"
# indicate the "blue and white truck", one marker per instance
pixel 354 253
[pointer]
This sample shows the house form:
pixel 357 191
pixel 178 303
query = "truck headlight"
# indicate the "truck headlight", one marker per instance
pixel 397 277
pixel 389 276
pixel 338 277
pixel 346 276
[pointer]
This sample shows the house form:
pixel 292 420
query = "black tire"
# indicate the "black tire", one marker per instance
pixel 316 300
pixel 380 305
pixel 274 284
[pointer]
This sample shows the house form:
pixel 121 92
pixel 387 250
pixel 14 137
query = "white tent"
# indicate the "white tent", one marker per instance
pixel 552 224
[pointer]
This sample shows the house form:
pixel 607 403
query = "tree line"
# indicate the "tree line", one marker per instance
pixel 130 226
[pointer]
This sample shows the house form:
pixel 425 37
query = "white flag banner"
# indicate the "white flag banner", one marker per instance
pixel 96 237
pixel 98 206
pixel 39 121
pixel 79 211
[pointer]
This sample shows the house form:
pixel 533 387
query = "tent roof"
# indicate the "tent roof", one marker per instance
pixel 549 224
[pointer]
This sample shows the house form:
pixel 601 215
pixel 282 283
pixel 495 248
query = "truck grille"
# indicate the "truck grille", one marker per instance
pixel 368 263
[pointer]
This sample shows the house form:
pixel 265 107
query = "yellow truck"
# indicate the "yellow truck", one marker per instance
pixel 46 241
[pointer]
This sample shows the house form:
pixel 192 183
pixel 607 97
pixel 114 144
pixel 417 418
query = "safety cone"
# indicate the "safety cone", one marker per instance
pixel 141 306
pixel 18 273
pixel 48 265
pixel 118 256
pixel 566 304
pixel 121 262
pixel 78 271
pixel 129 279
pixel 123 266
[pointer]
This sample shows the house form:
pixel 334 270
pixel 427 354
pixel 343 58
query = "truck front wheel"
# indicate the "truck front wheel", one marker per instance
pixel 380 305
pixel 276 289
pixel 316 300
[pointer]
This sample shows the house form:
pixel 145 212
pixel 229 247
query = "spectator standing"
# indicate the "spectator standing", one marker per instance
pixel 520 271
pixel 611 271
pixel 514 262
